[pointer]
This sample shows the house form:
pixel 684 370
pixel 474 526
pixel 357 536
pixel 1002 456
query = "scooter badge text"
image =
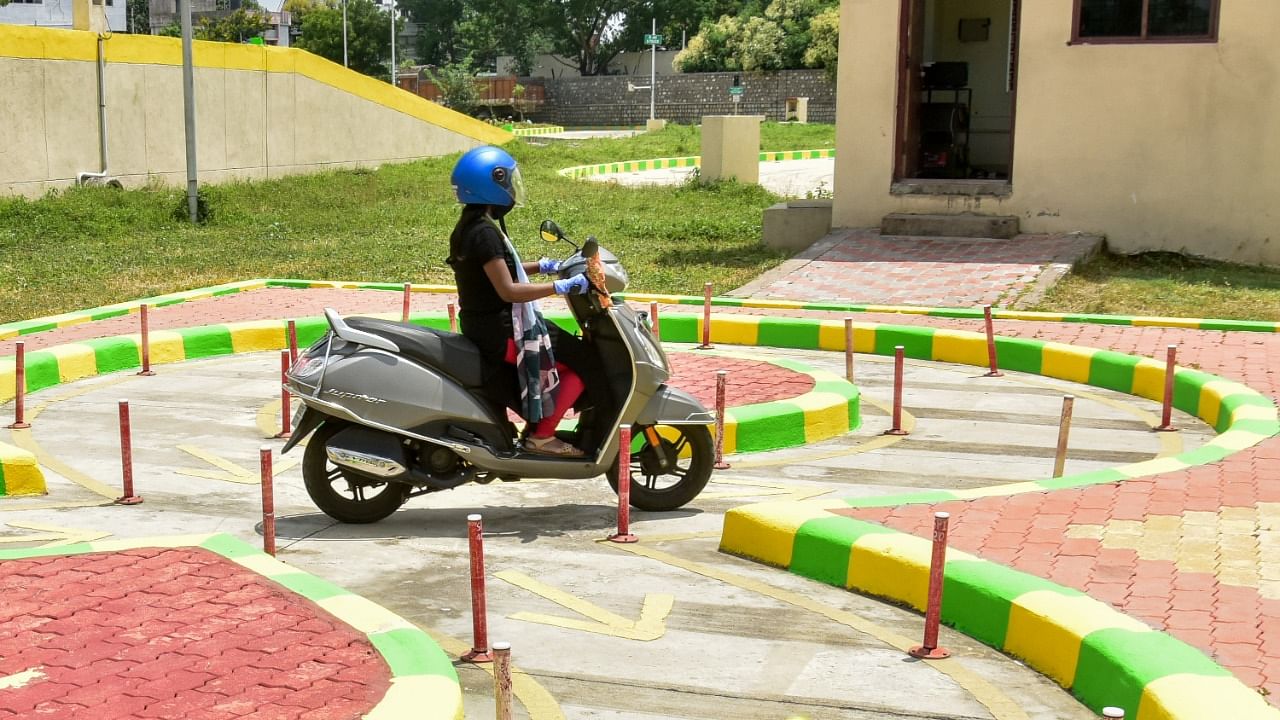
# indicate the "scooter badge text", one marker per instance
pixel 354 396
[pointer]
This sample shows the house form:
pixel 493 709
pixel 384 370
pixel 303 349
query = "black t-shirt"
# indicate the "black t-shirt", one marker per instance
pixel 485 318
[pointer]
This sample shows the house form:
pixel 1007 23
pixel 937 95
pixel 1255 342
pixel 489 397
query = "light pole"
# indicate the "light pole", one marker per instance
pixel 344 33
pixel 189 110
pixel 653 69
pixel 393 42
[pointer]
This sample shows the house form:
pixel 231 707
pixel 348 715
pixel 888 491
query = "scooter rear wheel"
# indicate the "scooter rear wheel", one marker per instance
pixel 656 488
pixel 344 495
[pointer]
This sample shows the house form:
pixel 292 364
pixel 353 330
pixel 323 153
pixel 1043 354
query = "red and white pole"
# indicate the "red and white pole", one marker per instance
pixel 286 425
pixel 20 387
pixel 146 341
pixel 479 620
pixel 624 487
pixel 722 379
pixel 848 349
pixel 292 333
pixel 897 392
pixel 126 457
pixel 404 312
pixel 502 680
pixel 268 503
pixel 706 317
pixel 1166 414
pixel 653 320
pixel 933 610
pixel 991 343
pixel 453 318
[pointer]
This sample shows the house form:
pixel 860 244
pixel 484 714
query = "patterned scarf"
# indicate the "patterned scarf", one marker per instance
pixel 535 363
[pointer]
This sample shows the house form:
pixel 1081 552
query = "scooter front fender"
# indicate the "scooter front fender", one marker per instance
pixel 673 406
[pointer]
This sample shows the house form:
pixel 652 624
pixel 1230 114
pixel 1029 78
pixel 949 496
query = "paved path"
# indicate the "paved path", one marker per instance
pixel 862 266
pixel 789 178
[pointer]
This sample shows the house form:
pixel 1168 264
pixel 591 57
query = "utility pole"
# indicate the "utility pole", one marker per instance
pixel 189 110
pixel 393 42
pixel 344 33
pixel 653 70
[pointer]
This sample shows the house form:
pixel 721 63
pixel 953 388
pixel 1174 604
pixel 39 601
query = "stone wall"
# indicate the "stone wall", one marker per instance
pixel 683 98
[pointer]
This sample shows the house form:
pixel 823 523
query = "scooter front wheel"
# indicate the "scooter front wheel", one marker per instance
pixel 670 474
pixel 344 495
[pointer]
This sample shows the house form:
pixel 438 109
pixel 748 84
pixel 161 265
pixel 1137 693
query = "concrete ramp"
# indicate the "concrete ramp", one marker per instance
pixel 261 112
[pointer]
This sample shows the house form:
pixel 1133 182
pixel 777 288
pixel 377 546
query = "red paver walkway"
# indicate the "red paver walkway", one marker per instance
pixel 862 266
pixel 174 633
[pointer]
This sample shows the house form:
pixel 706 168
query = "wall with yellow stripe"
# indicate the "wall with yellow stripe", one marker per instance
pixel 260 112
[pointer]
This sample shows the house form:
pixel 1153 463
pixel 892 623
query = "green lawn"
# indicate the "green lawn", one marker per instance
pixel 88 247
pixel 1168 284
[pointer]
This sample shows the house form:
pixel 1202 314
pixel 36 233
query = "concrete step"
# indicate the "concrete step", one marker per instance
pixel 967 225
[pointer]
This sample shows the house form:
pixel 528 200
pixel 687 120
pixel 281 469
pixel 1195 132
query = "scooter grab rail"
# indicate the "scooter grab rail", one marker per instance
pixel 350 334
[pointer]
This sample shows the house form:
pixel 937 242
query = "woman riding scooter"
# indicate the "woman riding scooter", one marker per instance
pixel 499 311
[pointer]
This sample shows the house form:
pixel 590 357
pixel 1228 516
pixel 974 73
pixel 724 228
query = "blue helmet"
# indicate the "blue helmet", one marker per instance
pixel 487 175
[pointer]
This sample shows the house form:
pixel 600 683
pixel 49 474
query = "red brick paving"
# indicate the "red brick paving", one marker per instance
pixel 174 633
pixel 865 267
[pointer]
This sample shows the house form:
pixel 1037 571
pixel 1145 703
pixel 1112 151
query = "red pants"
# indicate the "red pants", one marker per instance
pixel 564 396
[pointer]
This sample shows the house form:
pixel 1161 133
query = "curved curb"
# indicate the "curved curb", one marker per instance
pixel 1102 655
pixel 970 313
pixel 20 474
pixel 423 681
pixel 580 171
pixel 828 410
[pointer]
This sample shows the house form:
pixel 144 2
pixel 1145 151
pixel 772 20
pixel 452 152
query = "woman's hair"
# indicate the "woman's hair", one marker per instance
pixel 470 215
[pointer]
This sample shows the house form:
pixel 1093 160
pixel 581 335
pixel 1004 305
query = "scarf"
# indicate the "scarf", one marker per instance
pixel 535 362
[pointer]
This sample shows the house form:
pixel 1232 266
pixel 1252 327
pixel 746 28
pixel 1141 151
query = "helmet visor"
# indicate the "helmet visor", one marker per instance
pixel 517 187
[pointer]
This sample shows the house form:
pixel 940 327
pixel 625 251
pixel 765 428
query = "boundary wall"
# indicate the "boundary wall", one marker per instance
pixel 261 112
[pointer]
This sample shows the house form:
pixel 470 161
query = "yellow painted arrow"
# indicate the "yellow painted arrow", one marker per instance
pixel 778 490
pixel 51 536
pixel 650 626
pixel 230 471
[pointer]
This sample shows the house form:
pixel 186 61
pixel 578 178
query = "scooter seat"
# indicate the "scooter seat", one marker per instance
pixel 448 353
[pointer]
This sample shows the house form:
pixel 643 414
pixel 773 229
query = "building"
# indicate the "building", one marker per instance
pixel 1151 121
pixel 58 14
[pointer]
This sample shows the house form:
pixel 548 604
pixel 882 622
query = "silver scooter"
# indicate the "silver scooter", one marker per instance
pixel 395 411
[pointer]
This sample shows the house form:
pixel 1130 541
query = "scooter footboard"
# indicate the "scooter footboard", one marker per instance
pixel 673 406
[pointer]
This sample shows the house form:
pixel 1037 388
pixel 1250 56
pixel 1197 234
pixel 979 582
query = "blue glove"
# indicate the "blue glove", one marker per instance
pixel 577 283
pixel 546 266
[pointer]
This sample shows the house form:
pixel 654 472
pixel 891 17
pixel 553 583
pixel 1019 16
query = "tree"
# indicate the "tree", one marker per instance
pixel 247 21
pixel 776 37
pixel 592 32
pixel 760 45
pixel 825 32
pixel 437 42
pixel 457 86
pixel 368 36
pixel 138 19
pixel 713 49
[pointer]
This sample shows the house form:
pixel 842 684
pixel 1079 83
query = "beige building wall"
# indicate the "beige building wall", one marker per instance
pixel 1159 146
pixel 261 112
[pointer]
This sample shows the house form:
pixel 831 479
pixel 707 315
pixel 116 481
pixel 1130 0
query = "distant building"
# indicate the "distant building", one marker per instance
pixel 57 13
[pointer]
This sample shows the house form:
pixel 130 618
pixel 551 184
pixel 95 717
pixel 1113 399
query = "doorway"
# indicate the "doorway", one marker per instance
pixel 957 89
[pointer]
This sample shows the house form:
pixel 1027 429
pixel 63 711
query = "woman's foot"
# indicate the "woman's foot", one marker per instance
pixel 552 446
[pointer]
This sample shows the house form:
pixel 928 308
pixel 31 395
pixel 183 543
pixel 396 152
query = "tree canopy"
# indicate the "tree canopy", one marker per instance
pixel 368 35
pixel 787 34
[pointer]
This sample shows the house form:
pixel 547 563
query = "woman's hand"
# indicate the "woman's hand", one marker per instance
pixel 577 284
pixel 547 266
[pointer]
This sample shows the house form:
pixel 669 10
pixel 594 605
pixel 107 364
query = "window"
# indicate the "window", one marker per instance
pixel 1128 21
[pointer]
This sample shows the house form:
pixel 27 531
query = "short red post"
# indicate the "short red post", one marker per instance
pixel 1166 414
pixel 991 343
pixel 848 349
pixel 268 503
pixel 933 610
pixel 126 457
pixel 404 313
pixel 653 320
pixel 722 379
pixel 897 393
pixel 502 680
pixel 453 318
pixel 293 341
pixel 624 487
pixel 146 341
pixel 479 620
pixel 285 400
pixel 20 387
pixel 706 318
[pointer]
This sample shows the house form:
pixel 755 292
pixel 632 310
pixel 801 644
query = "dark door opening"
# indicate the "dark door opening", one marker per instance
pixel 958 62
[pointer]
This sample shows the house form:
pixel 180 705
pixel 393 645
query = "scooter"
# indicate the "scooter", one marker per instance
pixel 395 410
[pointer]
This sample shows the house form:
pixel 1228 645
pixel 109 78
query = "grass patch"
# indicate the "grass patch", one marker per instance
pixel 87 247
pixel 1168 284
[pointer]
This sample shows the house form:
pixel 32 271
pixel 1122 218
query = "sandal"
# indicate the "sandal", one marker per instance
pixel 552 446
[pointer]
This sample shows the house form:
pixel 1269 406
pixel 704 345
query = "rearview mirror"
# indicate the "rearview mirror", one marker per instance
pixel 550 231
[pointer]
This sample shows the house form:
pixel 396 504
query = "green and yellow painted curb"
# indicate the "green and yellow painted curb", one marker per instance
pixel 1102 655
pixel 533 131
pixel 423 682
pixel 624 166
pixel 20 474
